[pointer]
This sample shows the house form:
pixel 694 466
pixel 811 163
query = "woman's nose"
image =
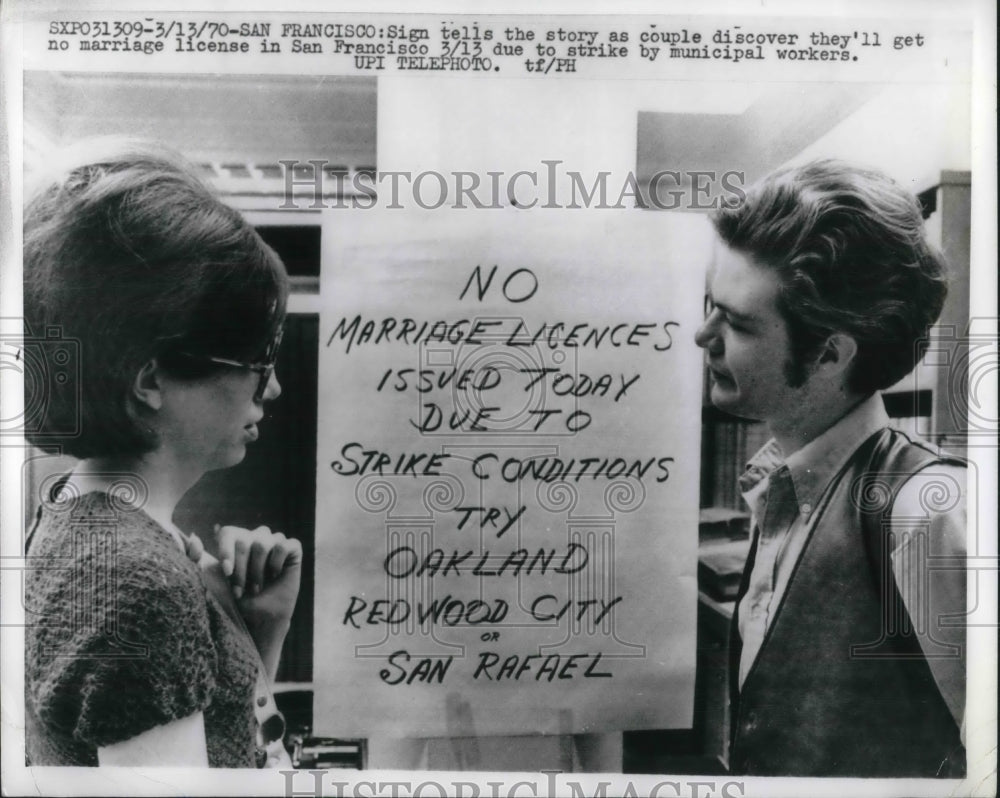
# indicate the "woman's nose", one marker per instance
pixel 273 390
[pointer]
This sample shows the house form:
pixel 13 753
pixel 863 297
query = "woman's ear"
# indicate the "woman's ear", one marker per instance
pixel 147 387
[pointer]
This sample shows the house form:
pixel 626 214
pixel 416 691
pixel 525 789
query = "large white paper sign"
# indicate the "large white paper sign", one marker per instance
pixel 507 495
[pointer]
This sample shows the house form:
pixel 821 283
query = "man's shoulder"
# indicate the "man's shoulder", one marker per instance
pixel 925 489
pixel 937 489
pixel 899 455
pixel 897 475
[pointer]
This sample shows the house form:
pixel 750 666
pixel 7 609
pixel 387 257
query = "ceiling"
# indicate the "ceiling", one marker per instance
pixel 239 126
pixel 212 119
pixel 912 132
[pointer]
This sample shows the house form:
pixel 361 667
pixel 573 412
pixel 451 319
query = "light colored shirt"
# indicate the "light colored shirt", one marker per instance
pixel 929 525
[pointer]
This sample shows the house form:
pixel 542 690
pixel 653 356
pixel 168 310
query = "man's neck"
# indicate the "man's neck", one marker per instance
pixel 810 421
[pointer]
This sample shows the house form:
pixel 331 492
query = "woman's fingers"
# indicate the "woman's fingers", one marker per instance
pixel 193 547
pixel 287 552
pixel 276 557
pixel 261 544
pixel 264 570
pixel 235 544
pixel 226 540
pixel 241 556
pixel 252 559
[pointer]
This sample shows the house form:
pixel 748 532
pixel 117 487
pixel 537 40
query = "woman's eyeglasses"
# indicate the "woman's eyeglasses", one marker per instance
pixel 264 370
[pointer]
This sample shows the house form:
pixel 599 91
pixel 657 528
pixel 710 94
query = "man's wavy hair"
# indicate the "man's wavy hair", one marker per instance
pixel 849 248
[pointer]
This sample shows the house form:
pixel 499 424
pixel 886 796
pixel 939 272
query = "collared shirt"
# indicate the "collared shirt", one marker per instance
pixel 783 492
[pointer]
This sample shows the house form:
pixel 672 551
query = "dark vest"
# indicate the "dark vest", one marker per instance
pixel 840 686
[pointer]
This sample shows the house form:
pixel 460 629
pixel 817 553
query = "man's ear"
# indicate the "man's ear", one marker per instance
pixel 147 389
pixel 838 352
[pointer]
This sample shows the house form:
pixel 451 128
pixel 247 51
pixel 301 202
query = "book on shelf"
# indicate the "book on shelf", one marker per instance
pixel 720 567
pixel 723 523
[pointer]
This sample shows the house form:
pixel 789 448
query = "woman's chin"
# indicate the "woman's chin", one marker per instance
pixel 232 456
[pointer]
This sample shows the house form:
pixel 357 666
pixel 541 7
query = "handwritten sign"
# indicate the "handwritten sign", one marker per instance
pixel 507 482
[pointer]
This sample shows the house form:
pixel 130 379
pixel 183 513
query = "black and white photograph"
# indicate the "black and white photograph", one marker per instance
pixel 497 400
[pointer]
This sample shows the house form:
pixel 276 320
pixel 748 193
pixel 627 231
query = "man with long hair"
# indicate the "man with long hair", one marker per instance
pixel 843 663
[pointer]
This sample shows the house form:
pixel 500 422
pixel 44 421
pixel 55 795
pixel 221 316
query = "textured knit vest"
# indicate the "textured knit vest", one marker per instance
pixel 840 686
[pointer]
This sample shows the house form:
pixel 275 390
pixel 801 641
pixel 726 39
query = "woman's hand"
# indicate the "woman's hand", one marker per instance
pixel 264 569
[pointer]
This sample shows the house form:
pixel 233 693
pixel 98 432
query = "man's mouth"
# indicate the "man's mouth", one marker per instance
pixel 719 375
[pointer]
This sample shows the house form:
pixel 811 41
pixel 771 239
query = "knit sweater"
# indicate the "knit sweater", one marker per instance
pixel 122 636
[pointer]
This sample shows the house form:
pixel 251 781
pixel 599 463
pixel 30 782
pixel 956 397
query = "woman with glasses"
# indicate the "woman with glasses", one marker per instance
pixel 141 649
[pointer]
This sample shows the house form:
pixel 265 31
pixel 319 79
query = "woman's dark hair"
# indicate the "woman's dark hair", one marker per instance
pixel 849 249
pixel 128 255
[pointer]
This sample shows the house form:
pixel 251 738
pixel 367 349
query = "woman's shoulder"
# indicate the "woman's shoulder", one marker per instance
pixel 94 542
pixel 70 523
pixel 114 602
pixel 145 618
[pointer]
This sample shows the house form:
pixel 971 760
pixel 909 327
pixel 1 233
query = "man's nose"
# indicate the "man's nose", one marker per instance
pixel 706 332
